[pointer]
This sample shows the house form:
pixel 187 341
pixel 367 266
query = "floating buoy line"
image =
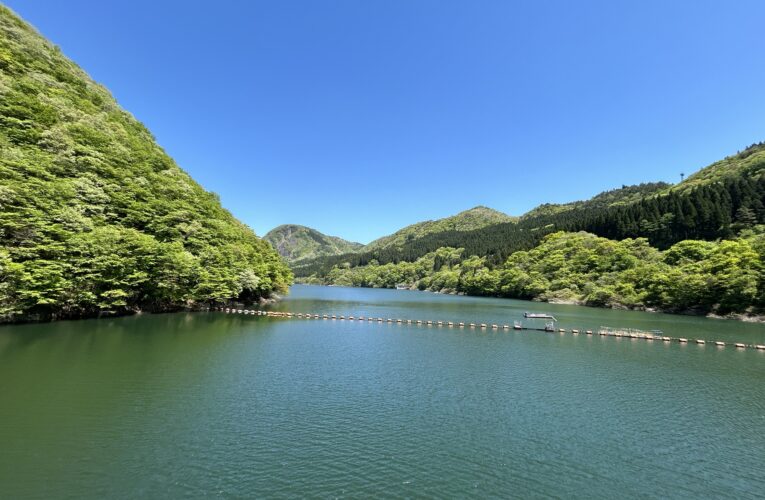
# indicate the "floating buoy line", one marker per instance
pixel 603 331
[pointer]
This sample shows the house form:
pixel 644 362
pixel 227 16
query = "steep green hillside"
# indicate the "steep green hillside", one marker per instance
pixel 692 276
pixel 295 243
pixel 94 216
pixel 475 218
pixel 622 196
pixel 748 163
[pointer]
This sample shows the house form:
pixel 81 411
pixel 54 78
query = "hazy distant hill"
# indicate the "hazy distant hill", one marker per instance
pixel 294 242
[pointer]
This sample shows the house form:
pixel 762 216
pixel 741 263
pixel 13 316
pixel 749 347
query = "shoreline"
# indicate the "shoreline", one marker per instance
pixel 745 318
pixel 27 319
pixel 193 307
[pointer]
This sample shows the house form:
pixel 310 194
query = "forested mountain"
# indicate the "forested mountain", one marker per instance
pixel 749 163
pixel 412 241
pixel 294 243
pixel 721 277
pixel 719 202
pixel 708 211
pixel 94 216
pixel 475 218
pixel 621 196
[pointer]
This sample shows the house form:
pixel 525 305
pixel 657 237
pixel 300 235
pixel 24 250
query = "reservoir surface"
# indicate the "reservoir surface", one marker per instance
pixel 231 406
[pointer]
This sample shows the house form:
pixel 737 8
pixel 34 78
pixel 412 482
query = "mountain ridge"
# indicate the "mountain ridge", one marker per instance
pixel 472 218
pixel 726 197
pixel 624 195
pixel 296 242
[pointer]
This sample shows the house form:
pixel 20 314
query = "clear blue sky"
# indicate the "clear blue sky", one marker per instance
pixel 360 117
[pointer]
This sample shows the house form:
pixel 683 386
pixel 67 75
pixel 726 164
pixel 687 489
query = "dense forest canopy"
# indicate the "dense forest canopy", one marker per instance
pixel 723 277
pixel 94 216
pixel 731 197
pixel 620 196
pixel 696 246
pixel 468 220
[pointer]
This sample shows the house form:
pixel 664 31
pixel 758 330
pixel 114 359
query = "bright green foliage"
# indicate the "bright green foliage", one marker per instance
pixel 719 201
pixel 475 218
pixel 296 243
pixel 722 277
pixel 747 163
pixel 93 214
pixel 615 197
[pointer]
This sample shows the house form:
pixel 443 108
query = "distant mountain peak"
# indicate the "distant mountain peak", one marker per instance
pixel 483 209
pixel 467 220
pixel 295 242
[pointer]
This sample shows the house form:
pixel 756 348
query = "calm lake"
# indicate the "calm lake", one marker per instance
pixel 209 404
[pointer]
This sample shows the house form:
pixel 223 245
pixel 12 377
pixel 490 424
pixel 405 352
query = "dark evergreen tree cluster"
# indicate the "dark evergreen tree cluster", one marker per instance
pixel 708 212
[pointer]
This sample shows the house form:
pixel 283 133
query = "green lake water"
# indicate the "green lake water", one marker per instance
pixel 232 406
